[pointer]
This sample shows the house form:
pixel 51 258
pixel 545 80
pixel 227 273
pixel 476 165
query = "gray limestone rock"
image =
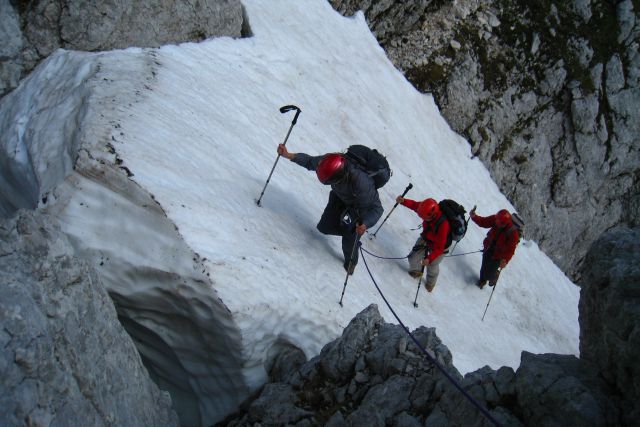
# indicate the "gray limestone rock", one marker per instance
pixel 610 314
pixel 276 405
pixel 339 357
pixel 561 390
pixel 36 29
pixel 65 356
pixel 385 400
pixel 286 364
pixel 627 18
pixel 10 33
pixel 549 105
pixel 546 390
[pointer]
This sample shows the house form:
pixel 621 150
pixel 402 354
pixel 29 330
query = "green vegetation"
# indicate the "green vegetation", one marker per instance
pixel 502 149
pixel 425 77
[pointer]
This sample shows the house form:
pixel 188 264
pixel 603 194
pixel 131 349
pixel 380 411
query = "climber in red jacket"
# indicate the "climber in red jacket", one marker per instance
pixel 429 249
pixel 499 245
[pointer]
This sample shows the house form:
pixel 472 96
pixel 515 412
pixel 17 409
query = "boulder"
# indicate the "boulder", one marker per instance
pixel 610 314
pixel 65 355
pixel 33 30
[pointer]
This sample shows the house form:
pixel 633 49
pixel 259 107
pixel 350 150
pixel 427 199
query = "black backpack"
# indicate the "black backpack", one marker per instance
pixel 518 224
pixel 455 214
pixel 372 162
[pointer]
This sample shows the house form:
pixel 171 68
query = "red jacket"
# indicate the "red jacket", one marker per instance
pixel 435 235
pixel 504 240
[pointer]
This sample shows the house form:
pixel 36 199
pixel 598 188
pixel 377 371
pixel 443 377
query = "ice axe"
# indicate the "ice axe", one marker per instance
pixel 406 190
pixel 283 110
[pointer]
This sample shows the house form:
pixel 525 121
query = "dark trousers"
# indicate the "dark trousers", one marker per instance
pixel 489 269
pixel 331 223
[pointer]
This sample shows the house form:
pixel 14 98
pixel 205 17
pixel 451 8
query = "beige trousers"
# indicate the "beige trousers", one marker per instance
pixel 415 263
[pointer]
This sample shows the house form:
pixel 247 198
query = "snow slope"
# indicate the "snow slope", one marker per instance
pixel 197 126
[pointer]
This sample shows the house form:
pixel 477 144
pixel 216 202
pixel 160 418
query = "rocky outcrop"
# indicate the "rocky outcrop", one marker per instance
pixel 163 297
pixel 610 315
pixel 375 375
pixel 65 357
pixel 31 31
pixel 551 106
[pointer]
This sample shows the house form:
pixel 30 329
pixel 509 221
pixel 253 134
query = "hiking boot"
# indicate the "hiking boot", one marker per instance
pixel 481 283
pixel 349 268
pixel 429 288
pixel 492 283
pixel 416 274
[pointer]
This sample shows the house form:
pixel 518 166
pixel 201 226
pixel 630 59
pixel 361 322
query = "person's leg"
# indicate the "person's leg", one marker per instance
pixel 488 270
pixel 416 256
pixel 330 220
pixel 433 270
pixel 350 253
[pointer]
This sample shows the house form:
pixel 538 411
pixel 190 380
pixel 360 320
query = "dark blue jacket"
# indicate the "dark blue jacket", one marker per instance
pixel 358 191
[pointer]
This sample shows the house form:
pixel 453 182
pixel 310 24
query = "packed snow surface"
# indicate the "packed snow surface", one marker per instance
pixel 197 126
pixel 204 142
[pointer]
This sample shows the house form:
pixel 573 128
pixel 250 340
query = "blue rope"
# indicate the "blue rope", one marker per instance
pixel 431 359
pixel 466 253
pixel 382 257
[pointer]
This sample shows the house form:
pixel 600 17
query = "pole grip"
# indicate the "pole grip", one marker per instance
pixel 406 190
pixel 287 108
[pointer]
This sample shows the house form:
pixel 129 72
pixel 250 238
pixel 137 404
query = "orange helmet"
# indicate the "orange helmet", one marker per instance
pixel 331 168
pixel 503 218
pixel 428 209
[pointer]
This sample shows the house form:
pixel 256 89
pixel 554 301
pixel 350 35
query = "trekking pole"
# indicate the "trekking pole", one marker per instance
pixel 415 301
pixel 353 251
pixel 283 110
pixel 406 190
pixel 494 288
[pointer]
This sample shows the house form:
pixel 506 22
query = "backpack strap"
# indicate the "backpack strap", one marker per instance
pixel 511 229
pixel 438 222
pixel 436 227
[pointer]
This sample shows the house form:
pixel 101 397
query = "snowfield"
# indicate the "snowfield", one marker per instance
pixel 192 131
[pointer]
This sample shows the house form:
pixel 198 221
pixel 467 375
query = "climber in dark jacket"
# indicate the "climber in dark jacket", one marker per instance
pixel 499 245
pixel 354 204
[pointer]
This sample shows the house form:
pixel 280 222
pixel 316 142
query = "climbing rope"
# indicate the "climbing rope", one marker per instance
pixel 424 351
pixel 382 257
pixel 446 256
pixel 466 253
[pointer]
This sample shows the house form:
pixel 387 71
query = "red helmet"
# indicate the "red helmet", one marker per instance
pixel 428 209
pixel 503 218
pixel 331 168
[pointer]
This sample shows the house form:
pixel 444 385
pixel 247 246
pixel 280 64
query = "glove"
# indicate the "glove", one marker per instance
pixel 503 264
pixel 400 199
pixel 472 212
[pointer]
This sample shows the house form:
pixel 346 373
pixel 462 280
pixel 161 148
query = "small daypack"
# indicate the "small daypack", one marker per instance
pixel 455 214
pixel 372 162
pixel 518 224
